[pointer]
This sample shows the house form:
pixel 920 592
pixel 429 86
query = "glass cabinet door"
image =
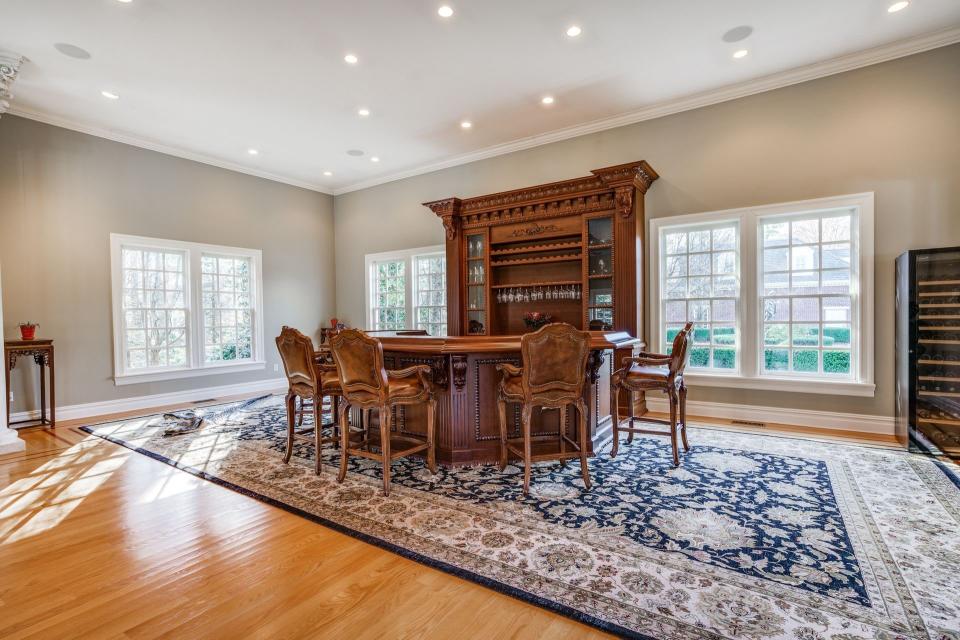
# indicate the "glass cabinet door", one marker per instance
pixel 599 274
pixel 476 277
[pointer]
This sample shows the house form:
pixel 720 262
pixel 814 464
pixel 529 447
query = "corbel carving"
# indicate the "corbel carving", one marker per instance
pixel 623 200
pixel 449 212
pixel 459 364
pixel 594 362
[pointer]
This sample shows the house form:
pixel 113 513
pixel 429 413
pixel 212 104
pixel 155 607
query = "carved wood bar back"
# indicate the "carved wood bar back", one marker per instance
pixel 570 250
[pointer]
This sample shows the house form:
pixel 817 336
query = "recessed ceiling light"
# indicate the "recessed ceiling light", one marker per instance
pixel 466 124
pixel 351 59
pixel 898 6
pixel 72 50
pixel 125 1
pixel 737 33
pixel 445 11
pixel 328 173
pixel 110 95
pixel 740 53
pixel 363 112
pixel 374 159
pixel 573 31
pixel 548 100
pixel 253 152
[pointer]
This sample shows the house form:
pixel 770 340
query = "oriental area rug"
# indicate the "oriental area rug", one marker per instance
pixel 753 536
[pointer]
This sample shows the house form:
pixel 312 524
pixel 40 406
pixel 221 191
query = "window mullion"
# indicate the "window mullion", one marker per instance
pixel 408 288
pixel 195 311
pixel 749 296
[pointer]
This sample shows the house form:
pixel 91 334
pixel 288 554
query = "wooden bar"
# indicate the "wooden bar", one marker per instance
pixel 465 378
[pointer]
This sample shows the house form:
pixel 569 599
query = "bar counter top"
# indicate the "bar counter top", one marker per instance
pixel 414 342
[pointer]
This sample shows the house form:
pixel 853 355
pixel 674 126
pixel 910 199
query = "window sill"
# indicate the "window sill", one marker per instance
pixel 821 387
pixel 176 374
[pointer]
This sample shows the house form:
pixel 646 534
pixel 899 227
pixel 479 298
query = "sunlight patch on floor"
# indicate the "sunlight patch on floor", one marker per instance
pixel 43 499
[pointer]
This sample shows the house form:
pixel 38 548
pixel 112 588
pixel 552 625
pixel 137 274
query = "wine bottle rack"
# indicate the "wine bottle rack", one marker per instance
pixel 928 350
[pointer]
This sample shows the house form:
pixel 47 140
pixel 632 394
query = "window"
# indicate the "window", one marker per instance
pixel 702 285
pixel 407 290
pixel 781 296
pixel 183 309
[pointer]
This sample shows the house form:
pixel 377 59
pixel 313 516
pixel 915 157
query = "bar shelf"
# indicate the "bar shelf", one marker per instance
pixel 538 260
pixel 537 248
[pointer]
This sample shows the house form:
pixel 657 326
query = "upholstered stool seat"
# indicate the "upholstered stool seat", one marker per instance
pixel 368 386
pixel 655 372
pixel 552 377
pixel 309 380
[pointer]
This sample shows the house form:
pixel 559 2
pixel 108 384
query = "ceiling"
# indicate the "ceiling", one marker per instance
pixel 211 79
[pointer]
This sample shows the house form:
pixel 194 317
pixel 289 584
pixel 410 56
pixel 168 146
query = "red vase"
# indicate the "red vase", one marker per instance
pixel 28 333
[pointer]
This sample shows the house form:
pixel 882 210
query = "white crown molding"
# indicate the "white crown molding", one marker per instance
pixel 883 53
pixel 881 425
pixel 156 401
pixel 151 145
pixel 9 68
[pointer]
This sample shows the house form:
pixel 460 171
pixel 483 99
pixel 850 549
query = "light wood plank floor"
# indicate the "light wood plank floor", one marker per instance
pixel 99 542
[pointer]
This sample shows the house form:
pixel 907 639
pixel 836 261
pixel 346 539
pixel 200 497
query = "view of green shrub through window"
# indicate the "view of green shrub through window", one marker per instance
pixel 153 308
pixel 226 301
pixel 431 294
pixel 390 295
pixel 700 283
pixel 806 299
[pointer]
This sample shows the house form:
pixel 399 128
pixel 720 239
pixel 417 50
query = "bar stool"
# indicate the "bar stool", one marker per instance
pixel 656 372
pixel 367 385
pixel 308 381
pixel 553 375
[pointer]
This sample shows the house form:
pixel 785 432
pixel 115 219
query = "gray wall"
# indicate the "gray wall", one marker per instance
pixel 892 128
pixel 62 193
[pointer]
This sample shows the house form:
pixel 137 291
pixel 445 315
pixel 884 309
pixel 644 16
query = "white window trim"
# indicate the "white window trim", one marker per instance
pixel 402 254
pixel 196 366
pixel 748 376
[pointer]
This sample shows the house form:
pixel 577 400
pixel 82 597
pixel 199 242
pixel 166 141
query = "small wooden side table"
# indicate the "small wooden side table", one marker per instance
pixel 42 352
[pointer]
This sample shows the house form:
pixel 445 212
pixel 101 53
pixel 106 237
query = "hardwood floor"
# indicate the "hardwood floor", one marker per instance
pixel 97 541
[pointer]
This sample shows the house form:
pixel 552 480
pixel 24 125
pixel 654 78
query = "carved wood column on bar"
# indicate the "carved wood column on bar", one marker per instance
pixel 449 212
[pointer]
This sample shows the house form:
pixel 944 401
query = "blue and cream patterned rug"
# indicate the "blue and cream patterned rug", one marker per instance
pixel 752 537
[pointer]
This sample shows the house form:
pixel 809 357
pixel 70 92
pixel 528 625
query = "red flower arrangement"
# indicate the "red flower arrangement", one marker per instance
pixel 536 319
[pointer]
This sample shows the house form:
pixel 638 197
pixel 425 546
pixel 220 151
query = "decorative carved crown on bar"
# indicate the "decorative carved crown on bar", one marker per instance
pixel 608 188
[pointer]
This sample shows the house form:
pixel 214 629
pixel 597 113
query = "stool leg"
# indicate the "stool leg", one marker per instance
pixel 431 450
pixel 616 421
pixel 683 415
pixel 630 434
pixel 527 453
pixel 317 431
pixel 563 433
pixel 291 417
pixel 502 412
pixel 385 419
pixel 344 439
pixel 582 438
pixel 300 413
pixel 673 424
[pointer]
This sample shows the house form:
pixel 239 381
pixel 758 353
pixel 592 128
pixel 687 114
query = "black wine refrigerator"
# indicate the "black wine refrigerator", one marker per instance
pixel 928 350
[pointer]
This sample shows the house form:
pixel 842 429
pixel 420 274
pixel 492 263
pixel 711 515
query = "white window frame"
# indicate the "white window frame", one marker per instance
pixel 749 322
pixel 194 326
pixel 409 256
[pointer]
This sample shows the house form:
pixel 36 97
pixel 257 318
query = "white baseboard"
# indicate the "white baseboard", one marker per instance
pixel 10 442
pixel 883 425
pixel 106 407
